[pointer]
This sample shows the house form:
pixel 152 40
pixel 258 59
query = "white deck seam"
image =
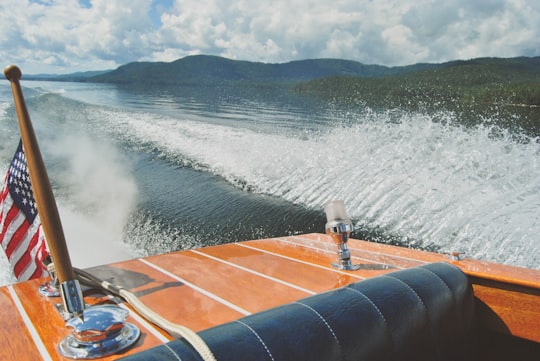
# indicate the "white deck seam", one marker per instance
pixel 29 325
pixel 360 249
pixel 277 280
pixel 147 325
pixel 197 288
pixel 326 250
pixel 299 260
pixel 351 248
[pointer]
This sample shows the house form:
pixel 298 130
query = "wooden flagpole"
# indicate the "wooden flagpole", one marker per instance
pixel 46 204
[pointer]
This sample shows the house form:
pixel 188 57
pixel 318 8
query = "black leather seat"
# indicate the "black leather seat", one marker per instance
pixel 423 313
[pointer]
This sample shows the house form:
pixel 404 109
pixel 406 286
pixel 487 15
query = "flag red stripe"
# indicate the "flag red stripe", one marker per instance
pixel 21 237
pixel 9 216
pixel 38 273
pixel 41 253
pixel 4 193
pixel 26 260
pixel 18 236
pixel 40 256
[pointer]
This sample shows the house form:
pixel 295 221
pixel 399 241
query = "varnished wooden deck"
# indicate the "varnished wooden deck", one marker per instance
pixel 206 287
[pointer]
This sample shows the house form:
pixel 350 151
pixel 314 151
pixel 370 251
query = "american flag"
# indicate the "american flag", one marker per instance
pixel 21 234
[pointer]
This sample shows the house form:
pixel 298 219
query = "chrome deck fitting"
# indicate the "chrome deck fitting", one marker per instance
pixel 50 288
pixel 339 227
pixel 99 332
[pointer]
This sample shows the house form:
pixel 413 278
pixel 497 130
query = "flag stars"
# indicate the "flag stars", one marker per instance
pixel 26 262
pixel 19 185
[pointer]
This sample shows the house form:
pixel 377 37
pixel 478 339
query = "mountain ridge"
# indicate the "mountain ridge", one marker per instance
pixel 210 69
pixel 475 88
pixel 198 69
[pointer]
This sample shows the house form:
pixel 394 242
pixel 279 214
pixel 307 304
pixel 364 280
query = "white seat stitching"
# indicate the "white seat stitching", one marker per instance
pixel 454 300
pixel 258 337
pixel 172 351
pixel 322 318
pixel 409 287
pixel 380 314
pixel 370 301
pixel 442 280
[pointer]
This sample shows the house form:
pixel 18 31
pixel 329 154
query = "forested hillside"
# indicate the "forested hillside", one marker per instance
pixel 205 69
pixel 476 88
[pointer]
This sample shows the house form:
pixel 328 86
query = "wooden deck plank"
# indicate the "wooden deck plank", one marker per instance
pixel 51 327
pixel 323 254
pixel 167 296
pixel 43 315
pixel 364 251
pixel 210 286
pixel 15 339
pixel 248 291
pixel 315 279
pixel 294 250
pixel 501 273
pixel 412 257
pixel 508 309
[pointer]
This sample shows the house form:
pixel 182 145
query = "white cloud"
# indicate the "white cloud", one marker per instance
pixel 467 29
pixel 70 35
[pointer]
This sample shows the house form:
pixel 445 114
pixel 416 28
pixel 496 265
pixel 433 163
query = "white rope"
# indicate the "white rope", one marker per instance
pixel 174 329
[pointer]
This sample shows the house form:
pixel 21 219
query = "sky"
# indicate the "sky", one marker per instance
pixel 65 36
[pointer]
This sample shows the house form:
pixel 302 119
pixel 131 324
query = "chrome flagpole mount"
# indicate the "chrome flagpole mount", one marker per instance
pixel 72 298
pixel 95 331
pixel 100 332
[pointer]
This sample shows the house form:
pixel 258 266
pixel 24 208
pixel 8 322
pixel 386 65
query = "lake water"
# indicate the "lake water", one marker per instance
pixel 145 171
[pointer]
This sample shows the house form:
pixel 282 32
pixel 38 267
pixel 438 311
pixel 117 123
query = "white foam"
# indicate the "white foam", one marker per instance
pixel 431 183
pixel 95 195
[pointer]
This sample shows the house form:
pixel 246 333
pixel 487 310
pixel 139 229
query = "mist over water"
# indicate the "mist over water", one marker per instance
pixel 154 171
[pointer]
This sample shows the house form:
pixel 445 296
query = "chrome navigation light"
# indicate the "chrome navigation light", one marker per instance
pixel 339 227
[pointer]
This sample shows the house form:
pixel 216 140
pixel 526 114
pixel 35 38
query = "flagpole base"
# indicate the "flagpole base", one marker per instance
pixel 72 297
pixel 49 289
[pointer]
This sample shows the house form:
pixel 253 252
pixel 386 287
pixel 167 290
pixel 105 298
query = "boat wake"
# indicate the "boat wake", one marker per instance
pixel 414 179
pixel 423 182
